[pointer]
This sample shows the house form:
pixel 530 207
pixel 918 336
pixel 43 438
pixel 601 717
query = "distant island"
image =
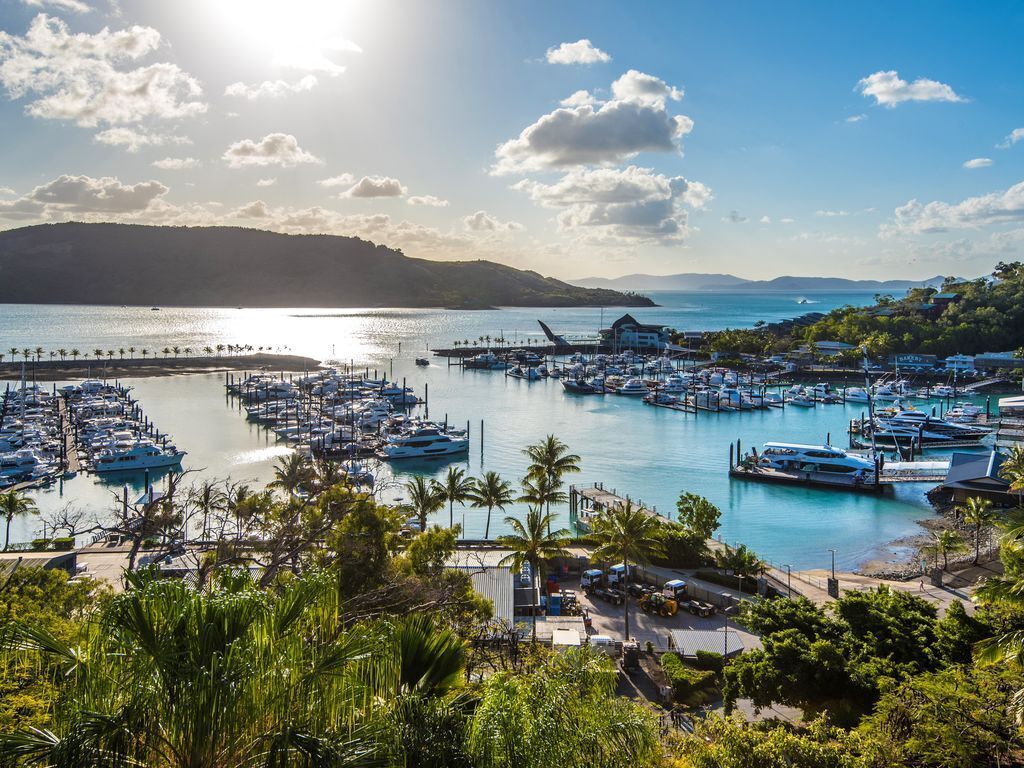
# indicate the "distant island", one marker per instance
pixel 695 281
pixel 78 263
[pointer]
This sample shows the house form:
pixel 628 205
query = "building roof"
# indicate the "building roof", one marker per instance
pixel 945 296
pixel 496 584
pixel 628 319
pixel 976 472
pixel 688 641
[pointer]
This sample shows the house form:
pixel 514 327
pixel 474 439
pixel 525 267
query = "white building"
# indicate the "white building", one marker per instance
pixel 960 363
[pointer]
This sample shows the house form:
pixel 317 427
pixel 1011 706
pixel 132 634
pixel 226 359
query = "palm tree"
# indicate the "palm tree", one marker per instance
pixel 492 492
pixel 424 498
pixel 39 353
pixel 188 351
pixel 177 351
pixel 121 352
pixel 743 562
pixel 947 543
pixel 627 535
pixel 551 459
pixel 979 513
pixel 455 488
pixel 291 472
pixel 14 504
pixel 63 353
pixel 208 498
pixel 208 350
pixel 144 353
pixel 131 353
pixel 533 542
pixel 1012 470
pixel 220 348
pixel 53 354
pixel 74 354
pixel 165 351
pixel 539 492
pixel 13 352
pixel 26 353
pixel 110 354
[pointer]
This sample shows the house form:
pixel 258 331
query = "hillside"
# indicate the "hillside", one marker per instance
pixel 78 263
pixel 694 281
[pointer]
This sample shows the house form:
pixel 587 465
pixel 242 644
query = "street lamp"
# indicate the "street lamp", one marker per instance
pixel 789 580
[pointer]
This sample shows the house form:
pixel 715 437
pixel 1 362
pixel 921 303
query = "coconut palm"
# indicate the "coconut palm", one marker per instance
pixel 26 353
pixel 144 353
pixel 110 354
pixel 208 350
pixel 456 487
pixel 979 513
pixel 14 504
pixel 62 353
pixel 424 498
pixel 948 542
pixel 628 535
pixel 131 353
pixel 540 492
pixel 39 353
pixel 533 542
pixel 74 354
pixel 220 348
pixel 492 492
pixel 13 352
pixel 208 498
pixel 1012 470
pixel 98 354
pixel 176 351
pixel 291 473
pixel 551 459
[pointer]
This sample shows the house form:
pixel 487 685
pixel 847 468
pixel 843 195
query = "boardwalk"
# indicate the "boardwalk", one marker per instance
pixel 589 502
pixel 68 438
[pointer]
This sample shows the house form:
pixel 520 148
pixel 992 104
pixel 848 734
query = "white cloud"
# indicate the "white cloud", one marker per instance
pixel 856 118
pixel 978 162
pixel 587 135
pixel 266 182
pixel 74 6
pixel 257 209
pixel 644 89
pixel 7 191
pixel 481 221
pixel 620 205
pixel 273 149
pixel 973 212
pixel 75 77
pixel 312 56
pixel 579 99
pixel 133 140
pixel 735 217
pixel 765 220
pixel 1012 138
pixel 428 200
pixel 176 163
pixel 270 89
pixel 375 186
pixel 343 180
pixel 75 195
pixel 787 220
pixel 580 52
pixel 831 214
pixel 888 89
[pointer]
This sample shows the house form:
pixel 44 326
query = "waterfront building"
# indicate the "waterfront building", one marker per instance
pixel 959 363
pixel 990 361
pixel 915 362
pixel 628 333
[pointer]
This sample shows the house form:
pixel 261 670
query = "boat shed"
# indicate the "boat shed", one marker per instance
pixel 687 642
pixel 977 474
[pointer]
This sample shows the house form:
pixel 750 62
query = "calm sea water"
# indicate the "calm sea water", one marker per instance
pixel 649 453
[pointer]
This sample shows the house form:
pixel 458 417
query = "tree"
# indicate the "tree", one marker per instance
pixel 74 354
pixel 208 498
pixel 698 515
pixel 532 542
pixel 131 353
pixel 550 459
pixel 424 498
pixel 492 492
pixel 14 504
pixel 743 562
pixel 455 488
pixel 1012 470
pixel 979 513
pixel 292 473
pixel 948 542
pixel 629 535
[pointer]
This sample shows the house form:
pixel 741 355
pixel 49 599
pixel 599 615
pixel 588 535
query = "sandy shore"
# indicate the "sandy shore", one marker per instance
pixel 63 370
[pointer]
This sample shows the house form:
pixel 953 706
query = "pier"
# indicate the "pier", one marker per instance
pixel 592 500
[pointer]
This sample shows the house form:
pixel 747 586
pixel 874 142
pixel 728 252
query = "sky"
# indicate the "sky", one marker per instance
pixel 870 140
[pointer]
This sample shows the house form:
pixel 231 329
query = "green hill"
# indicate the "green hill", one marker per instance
pixel 78 263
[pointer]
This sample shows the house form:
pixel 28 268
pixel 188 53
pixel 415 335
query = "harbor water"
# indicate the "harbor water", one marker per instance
pixel 648 453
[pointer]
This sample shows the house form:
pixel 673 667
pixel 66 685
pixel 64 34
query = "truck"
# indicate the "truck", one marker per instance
pixel 591 577
pixel 617 574
pixel 698 608
pixel 675 589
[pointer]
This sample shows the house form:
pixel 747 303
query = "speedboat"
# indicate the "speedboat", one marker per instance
pixel 800 397
pixel 634 388
pixel 422 361
pixel 856 395
pixel 581 387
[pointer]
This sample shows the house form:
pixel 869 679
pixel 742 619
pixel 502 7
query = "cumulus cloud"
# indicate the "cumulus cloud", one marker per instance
pixel 587 135
pixel 313 57
pixel 375 186
pixel 856 118
pixel 76 76
pixel 971 213
pixel 266 182
pixel 270 89
pixel 133 140
pixel 176 163
pixel 888 89
pixel 342 180
pixel 620 205
pixel 831 214
pixel 74 6
pixel 978 162
pixel 580 52
pixel 257 209
pixel 765 220
pixel 273 149
pixel 481 221
pixel 83 195
pixel 428 200
pixel 735 217
pixel 645 89
pixel 786 220
pixel 579 99
pixel 1012 138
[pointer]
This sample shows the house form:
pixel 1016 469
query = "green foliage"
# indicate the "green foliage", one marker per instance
pixel 710 661
pixel 687 683
pixel 698 515
pixel 428 552
pixel 40 545
pixel 63 543
pixel 742 340
pixel 680 548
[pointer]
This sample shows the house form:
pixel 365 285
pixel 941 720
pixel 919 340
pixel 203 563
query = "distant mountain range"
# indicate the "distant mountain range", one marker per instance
pixel 693 281
pixel 118 264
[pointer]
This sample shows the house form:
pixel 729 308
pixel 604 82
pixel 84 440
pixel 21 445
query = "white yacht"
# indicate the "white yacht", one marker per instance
pixel 140 456
pixel 813 458
pixel 674 383
pixel 424 442
pixel 856 395
pixel 633 387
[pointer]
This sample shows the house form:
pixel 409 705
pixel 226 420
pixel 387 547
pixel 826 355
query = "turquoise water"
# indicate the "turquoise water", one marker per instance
pixel 649 453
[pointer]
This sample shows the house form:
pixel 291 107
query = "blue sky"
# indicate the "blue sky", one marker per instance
pixel 753 138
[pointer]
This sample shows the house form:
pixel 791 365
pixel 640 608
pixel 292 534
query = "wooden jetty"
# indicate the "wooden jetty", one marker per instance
pixel 596 499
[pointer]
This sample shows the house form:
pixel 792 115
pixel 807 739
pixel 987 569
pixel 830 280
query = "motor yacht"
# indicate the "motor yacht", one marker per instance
pixel 634 388
pixel 801 457
pixel 425 442
pixel 142 455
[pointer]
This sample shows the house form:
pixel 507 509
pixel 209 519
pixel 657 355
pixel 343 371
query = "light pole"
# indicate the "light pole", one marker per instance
pixel 789 580
pixel 833 563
